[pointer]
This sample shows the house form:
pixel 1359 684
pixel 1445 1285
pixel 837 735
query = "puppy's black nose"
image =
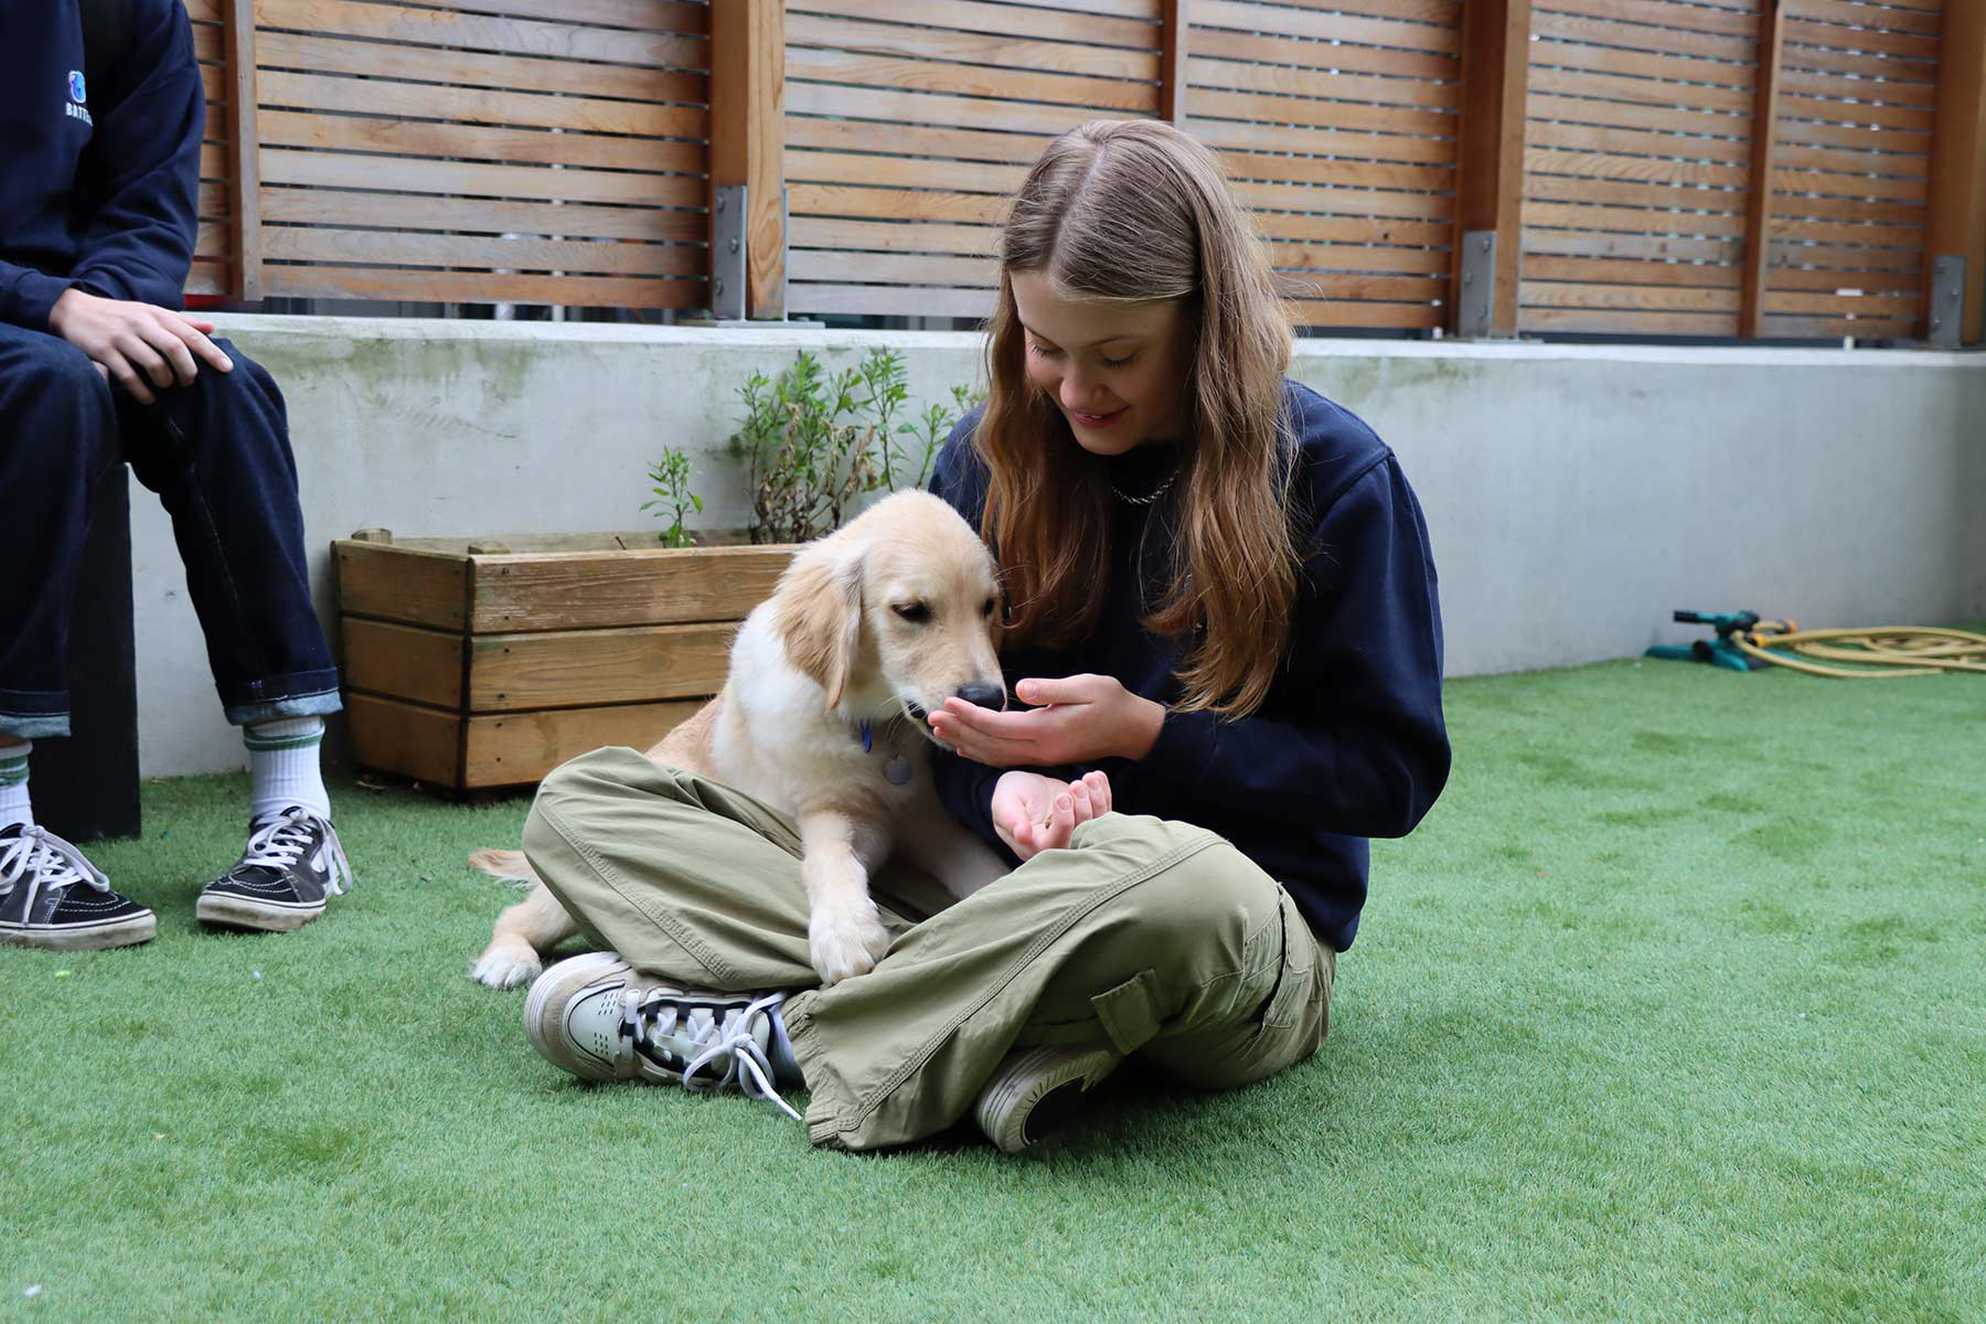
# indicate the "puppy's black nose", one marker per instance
pixel 983 696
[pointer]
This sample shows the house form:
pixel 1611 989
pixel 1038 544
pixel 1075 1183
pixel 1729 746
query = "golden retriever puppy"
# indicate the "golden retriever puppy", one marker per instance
pixel 822 717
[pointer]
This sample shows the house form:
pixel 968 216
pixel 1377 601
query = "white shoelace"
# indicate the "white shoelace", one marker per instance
pixel 281 841
pixel 52 862
pixel 750 1070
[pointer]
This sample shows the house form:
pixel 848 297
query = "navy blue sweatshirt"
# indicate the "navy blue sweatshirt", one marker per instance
pixel 1350 742
pixel 99 176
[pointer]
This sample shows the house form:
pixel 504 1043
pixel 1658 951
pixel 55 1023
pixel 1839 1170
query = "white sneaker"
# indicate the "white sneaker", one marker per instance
pixel 599 1019
pixel 1037 1091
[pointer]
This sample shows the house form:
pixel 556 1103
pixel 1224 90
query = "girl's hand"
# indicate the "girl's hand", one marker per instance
pixel 1080 719
pixel 1033 813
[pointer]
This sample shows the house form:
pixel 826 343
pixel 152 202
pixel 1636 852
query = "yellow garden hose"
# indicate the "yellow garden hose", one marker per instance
pixel 1897 650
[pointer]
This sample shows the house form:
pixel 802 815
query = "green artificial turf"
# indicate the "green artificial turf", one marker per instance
pixel 1674 1009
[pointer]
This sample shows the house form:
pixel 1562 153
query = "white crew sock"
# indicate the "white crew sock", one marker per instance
pixel 283 766
pixel 14 804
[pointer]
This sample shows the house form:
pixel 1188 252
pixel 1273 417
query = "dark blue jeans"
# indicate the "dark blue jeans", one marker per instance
pixel 218 454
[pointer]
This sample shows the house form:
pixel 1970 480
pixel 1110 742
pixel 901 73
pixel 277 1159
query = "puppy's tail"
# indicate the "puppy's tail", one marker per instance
pixel 509 865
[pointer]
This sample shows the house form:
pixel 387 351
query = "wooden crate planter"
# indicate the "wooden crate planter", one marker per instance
pixel 480 664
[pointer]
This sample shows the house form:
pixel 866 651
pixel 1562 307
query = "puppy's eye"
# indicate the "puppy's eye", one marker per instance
pixel 915 612
pixel 986 608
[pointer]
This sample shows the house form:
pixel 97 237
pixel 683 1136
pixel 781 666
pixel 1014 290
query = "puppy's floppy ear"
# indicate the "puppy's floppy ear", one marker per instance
pixel 819 615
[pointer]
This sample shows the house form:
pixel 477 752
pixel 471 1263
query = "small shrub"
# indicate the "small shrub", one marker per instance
pixel 671 477
pixel 814 443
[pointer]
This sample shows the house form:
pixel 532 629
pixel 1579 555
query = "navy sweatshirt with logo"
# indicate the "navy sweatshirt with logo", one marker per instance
pixel 1350 743
pixel 98 173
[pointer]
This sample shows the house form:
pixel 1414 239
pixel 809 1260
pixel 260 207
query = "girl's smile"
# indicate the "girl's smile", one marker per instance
pixel 1096 422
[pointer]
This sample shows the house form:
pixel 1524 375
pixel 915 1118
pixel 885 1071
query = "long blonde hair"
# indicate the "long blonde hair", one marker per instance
pixel 1133 211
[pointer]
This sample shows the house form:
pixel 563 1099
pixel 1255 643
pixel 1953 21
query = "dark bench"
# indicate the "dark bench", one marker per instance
pixel 85 788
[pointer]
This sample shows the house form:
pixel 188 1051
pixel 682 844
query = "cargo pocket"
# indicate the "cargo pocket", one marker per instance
pixel 1130 1012
pixel 1291 997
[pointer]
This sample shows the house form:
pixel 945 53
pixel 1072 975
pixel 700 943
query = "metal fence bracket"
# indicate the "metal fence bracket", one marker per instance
pixel 1947 311
pixel 786 244
pixel 727 254
pixel 1477 296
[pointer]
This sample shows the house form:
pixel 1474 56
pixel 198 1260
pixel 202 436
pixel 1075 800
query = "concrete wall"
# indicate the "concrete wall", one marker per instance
pixel 1575 494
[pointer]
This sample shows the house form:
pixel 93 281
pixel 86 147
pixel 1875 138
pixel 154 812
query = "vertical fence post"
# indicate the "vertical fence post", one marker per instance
pixel 1489 167
pixel 1758 183
pixel 748 146
pixel 1174 18
pixel 1955 239
pixel 244 154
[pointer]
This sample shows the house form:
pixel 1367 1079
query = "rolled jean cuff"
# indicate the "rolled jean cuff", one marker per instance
pixel 34 714
pixel 299 694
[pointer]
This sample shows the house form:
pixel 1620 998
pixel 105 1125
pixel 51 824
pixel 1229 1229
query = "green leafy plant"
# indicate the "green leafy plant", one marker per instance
pixel 671 477
pixel 936 423
pixel 815 442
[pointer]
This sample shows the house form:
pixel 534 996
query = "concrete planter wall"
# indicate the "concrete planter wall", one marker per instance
pixel 1576 495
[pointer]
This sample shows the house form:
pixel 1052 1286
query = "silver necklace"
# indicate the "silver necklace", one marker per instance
pixel 1146 500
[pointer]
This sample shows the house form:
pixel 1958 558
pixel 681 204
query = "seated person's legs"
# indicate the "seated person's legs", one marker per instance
pixel 58 440
pixel 1144 936
pixel 217 452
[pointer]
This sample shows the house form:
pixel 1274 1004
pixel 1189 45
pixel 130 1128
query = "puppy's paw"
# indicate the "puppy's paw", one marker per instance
pixel 506 965
pixel 845 941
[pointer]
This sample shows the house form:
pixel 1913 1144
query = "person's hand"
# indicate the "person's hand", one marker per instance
pixel 1079 719
pixel 1033 813
pixel 136 345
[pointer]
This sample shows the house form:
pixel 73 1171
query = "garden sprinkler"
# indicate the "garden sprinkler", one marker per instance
pixel 1744 642
pixel 1722 651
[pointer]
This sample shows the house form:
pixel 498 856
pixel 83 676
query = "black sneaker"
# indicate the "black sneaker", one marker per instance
pixel 292 864
pixel 50 896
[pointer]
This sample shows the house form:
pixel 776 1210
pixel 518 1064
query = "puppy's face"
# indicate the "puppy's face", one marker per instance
pixel 932 606
pixel 897 612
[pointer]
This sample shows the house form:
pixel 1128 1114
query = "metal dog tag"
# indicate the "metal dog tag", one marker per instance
pixel 897 770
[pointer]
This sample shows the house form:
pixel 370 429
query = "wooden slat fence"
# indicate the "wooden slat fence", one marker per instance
pixel 1851 170
pixel 211 254
pixel 1688 167
pixel 1338 131
pixel 466 150
pixel 907 127
pixel 1638 138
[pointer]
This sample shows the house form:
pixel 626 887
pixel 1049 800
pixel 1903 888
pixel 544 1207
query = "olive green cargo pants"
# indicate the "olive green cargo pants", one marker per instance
pixel 1155 936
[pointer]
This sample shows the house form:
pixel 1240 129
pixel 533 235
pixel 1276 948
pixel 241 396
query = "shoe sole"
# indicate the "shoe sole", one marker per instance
pixel 126 932
pixel 544 1024
pixel 239 912
pixel 1024 1081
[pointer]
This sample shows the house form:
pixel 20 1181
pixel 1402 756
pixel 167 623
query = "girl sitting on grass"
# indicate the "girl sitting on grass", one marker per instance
pixel 1223 619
